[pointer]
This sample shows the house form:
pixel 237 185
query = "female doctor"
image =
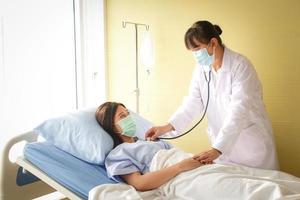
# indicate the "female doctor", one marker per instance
pixel 238 126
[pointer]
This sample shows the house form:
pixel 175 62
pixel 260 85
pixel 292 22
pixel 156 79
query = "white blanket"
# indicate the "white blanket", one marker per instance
pixel 207 182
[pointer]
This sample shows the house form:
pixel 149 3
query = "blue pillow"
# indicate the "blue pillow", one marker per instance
pixel 79 134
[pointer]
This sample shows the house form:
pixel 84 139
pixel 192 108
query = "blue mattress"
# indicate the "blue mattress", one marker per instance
pixel 76 175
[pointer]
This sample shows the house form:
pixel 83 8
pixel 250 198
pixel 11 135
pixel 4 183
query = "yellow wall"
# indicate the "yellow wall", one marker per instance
pixel 266 31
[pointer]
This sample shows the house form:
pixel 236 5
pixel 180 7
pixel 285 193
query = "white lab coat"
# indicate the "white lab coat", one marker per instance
pixel 238 124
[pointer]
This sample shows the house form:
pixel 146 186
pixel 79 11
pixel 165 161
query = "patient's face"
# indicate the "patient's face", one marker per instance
pixel 121 113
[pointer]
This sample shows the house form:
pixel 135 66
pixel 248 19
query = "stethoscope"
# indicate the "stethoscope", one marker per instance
pixel 205 71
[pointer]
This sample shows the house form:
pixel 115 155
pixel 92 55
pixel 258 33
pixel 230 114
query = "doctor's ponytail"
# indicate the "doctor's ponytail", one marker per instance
pixel 202 31
pixel 218 29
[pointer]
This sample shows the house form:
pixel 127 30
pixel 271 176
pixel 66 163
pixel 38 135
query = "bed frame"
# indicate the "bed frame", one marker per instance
pixel 17 180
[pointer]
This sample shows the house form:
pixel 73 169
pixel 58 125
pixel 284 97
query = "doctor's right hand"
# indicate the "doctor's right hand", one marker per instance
pixel 157 131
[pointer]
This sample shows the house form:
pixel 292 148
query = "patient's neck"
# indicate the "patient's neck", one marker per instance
pixel 128 139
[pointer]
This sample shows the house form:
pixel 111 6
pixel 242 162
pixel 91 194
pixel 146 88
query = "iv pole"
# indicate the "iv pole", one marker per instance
pixel 137 90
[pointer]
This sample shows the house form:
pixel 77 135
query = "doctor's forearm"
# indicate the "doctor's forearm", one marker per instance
pixel 231 128
pixel 170 127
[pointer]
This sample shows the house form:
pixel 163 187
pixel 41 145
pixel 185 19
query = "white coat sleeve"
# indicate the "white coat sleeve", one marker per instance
pixel 245 87
pixel 191 107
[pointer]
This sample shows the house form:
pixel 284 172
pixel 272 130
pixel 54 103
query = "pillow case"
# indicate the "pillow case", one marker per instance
pixel 142 125
pixel 79 134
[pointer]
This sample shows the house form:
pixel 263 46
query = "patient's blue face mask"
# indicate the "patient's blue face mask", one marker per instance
pixel 203 58
pixel 128 126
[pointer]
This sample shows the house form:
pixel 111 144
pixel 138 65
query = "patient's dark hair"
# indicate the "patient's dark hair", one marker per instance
pixel 105 117
pixel 202 31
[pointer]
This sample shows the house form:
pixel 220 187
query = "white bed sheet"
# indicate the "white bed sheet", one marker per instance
pixel 207 182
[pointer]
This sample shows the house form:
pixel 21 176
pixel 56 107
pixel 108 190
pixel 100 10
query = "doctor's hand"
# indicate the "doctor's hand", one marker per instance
pixel 207 157
pixel 157 131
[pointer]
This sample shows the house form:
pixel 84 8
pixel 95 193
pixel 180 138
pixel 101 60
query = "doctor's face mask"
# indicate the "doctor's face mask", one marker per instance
pixel 203 58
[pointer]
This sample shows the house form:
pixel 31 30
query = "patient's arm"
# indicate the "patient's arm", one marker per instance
pixel 152 180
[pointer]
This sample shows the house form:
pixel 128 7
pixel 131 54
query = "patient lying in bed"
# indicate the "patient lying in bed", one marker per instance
pixel 131 158
pixel 148 165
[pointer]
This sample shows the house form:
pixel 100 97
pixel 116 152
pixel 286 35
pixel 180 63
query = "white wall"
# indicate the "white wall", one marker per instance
pixel 40 68
pixel 90 30
pixel 37 63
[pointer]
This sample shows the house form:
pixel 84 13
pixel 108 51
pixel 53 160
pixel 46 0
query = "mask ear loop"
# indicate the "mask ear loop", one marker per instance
pixel 214 48
pixel 116 127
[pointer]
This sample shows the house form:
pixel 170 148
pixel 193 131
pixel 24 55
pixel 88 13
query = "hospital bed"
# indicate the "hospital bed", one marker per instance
pixel 44 168
pixel 44 165
pixel 70 161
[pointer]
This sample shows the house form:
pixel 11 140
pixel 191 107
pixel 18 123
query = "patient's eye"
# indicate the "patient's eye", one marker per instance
pixel 124 114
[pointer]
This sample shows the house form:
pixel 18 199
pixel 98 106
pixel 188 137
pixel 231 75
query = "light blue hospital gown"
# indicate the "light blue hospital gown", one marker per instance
pixel 127 158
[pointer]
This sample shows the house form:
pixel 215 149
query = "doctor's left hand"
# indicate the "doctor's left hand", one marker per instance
pixel 207 157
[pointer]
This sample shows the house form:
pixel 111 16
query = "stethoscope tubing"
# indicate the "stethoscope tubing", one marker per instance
pixel 203 115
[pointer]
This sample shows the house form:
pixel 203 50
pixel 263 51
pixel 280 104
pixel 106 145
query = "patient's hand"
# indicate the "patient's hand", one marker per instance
pixel 188 164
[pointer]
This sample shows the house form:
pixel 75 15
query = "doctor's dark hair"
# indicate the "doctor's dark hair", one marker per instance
pixel 202 31
pixel 105 117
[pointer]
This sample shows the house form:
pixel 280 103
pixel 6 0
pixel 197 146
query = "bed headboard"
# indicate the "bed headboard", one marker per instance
pixel 8 173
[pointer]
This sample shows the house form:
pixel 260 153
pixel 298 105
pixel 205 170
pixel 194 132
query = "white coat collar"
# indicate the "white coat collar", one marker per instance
pixel 226 65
